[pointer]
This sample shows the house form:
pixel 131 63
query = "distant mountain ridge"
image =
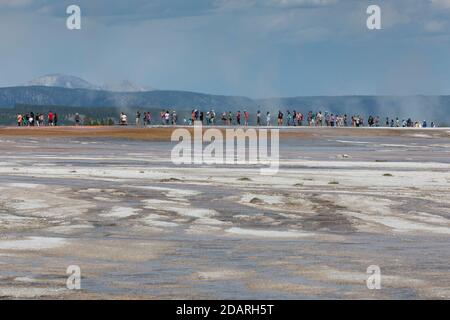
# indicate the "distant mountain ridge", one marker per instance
pixel 126 86
pixel 57 96
pixel 72 82
pixel 432 108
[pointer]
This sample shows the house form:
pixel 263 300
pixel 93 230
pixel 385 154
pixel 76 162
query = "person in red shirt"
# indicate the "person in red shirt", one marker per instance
pixel 245 118
pixel 50 118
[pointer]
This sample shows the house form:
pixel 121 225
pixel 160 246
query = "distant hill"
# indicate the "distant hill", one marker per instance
pixel 62 81
pixel 72 82
pixel 40 95
pixel 432 108
pixel 125 86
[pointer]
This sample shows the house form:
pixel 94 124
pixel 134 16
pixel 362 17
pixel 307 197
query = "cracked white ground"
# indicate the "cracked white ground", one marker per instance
pixel 140 227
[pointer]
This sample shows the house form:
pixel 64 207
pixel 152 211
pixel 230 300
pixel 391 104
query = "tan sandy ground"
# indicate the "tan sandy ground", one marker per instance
pixel 158 133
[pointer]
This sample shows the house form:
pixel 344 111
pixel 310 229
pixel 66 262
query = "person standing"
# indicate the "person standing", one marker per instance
pixel 224 118
pixel 77 119
pixel 167 118
pixel 319 119
pixel 138 118
pixel 31 119
pixel 50 118
pixel 258 118
pixel 213 117
pixel 246 118
pixel 123 119
pixel 174 118
pixel 280 118
pixel 19 120
pixel 289 118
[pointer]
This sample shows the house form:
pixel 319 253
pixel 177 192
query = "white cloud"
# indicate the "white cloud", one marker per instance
pixel 441 3
pixel 15 3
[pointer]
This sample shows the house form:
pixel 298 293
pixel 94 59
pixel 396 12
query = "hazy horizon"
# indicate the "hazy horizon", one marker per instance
pixel 253 98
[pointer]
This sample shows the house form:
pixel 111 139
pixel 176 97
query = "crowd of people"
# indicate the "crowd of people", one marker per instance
pixel 287 118
pixel 294 118
pixel 37 120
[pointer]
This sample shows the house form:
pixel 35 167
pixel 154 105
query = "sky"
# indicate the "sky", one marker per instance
pixel 254 48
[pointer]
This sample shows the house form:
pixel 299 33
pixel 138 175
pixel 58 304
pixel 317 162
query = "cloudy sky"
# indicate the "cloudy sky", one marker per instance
pixel 256 48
